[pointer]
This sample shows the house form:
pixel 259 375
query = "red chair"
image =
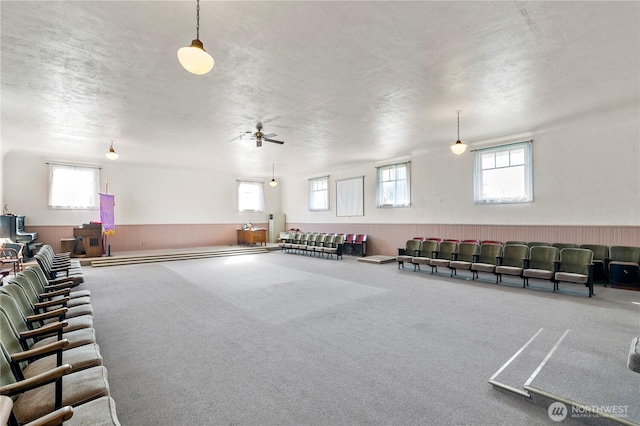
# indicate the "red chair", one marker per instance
pixel 439 240
pixel 360 245
pixel 492 242
pixel 419 238
pixel 348 243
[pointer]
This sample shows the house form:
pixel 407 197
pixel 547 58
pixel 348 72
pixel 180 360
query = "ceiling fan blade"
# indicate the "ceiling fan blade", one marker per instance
pixel 270 135
pixel 273 140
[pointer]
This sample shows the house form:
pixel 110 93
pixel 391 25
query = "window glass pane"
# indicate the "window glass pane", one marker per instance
pixel 250 197
pixel 73 187
pixel 488 161
pixel 503 183
pixel 319 194
pixel 502 159
pixel 517 157
pixel 504 174
pixel 393 186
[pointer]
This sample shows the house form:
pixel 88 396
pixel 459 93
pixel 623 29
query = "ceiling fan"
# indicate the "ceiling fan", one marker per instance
pixel 259 136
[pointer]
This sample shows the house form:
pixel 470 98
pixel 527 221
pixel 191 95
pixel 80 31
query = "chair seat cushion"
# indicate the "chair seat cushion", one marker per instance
pixel 99 412
pixel 79 337
pixel 571 277
pixel 634 355
pixel 538 273
pixel 439 262
pixel 77 388
pixel 404 258
pixel 483 267
pixel 459 264
pixel 508 270
pixel 418 260
pixel 81 357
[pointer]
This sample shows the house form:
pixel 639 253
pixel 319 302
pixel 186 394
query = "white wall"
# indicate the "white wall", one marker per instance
pixel 586 172
pixel 143 194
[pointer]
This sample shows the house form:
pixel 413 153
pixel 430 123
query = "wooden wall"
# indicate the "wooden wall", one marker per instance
pixel 382 238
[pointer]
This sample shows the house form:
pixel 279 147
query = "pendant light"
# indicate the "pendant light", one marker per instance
pixel 273 182
pixel 458 147
pixel 194 58
pixel 112 154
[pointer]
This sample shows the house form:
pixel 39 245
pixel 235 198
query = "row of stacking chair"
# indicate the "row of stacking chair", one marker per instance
pixel 314 243
pixel 354 244
pixel 50 364
pixel 59 265
pixel 570 264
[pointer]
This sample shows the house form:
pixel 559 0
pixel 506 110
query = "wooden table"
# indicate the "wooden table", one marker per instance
pixel 250 237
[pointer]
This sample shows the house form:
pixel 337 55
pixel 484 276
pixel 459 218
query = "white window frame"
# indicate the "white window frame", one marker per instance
pixel 387 179
pixel 517 166
pixel 319 194
pixel 250 196
pixel 74 186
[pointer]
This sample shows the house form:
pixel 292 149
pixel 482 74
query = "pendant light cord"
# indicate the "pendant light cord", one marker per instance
pixel 198 20
pixel 458 124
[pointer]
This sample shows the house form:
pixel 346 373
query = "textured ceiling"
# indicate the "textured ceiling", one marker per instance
pixel 340 82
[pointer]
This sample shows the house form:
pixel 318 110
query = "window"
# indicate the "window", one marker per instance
pixel 73 187
pixel 393 185
pixel 504 174
pixel 319 194
pixel 250 196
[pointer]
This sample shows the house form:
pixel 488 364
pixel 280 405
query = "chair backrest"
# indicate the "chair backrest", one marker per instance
pixel 538 244
pixel 329 240
pixel 467 251
pixel 543 257
pixel 17 293
pixel 489 252
pixel 8 337
pixel 600 252
pixel 438 239
pixel 419 238
pixel 412 246
pixel 515 243
pixel 428 247
pixel 624 254
pixel 491 242
pixel 361 238
pixel 312 239
pixel 320 239
pixel 514 255
pixel 471 241
pixel 561 246
pixel 350 238
pixel 447 248
pixel 338 240
pixel 575 260
pixel 10 307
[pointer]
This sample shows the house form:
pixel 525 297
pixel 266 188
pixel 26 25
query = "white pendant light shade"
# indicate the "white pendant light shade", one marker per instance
pixel 195 59
pixel 458 148
pixel 112 154
pixel 273 183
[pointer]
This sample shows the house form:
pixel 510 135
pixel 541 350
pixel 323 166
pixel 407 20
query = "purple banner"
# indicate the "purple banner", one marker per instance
pixel 106 214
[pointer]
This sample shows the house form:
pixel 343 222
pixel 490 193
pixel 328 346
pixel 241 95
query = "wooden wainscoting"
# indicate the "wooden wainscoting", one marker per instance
pixel 151 237
pixel 384 239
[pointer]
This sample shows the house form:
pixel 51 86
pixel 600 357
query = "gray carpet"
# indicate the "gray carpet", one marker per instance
pixel 285 339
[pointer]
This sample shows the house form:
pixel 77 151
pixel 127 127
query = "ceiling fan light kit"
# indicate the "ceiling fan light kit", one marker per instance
pixel 194 58
pixel 458 147
pixel 259 136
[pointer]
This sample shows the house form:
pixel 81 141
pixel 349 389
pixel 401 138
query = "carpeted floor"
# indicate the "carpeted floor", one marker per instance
pixel 283 339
